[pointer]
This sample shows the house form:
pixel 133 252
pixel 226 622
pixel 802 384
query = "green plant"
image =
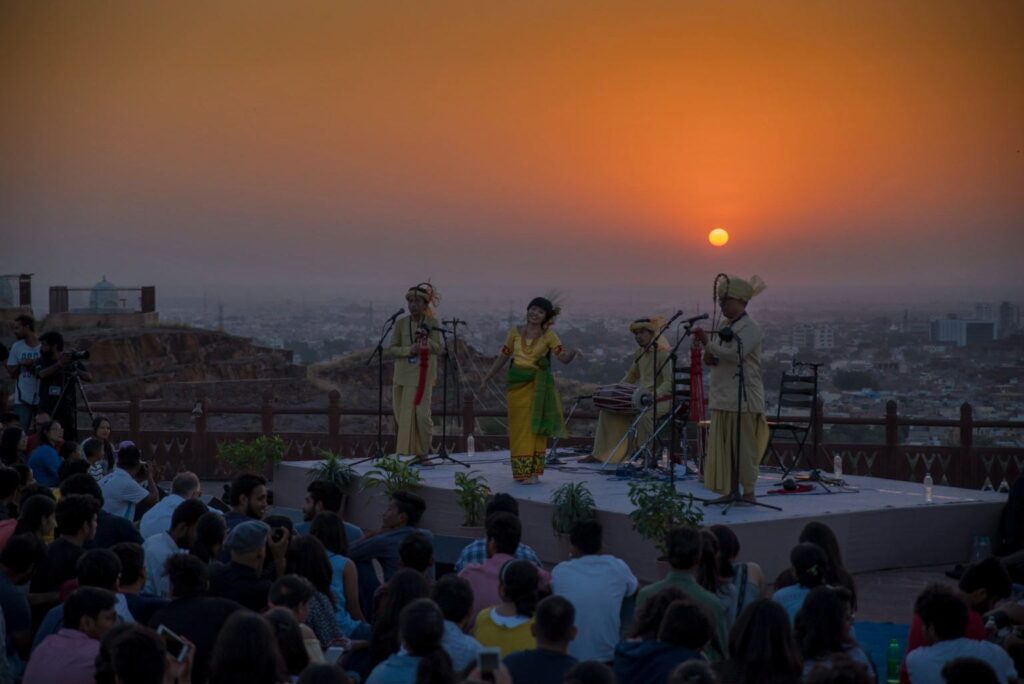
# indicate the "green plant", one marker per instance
pixel 253 456
pixel 573 502
pixel 393 475
pixel 471 492
pixel 332 468
pixel 659 508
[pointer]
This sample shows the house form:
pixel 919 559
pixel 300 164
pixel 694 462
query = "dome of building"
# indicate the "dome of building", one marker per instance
pixel 103 295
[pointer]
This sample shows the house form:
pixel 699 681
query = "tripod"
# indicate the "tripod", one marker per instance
pixel 442 451
pixel 70 392
pixel 378 352
pixel 733 497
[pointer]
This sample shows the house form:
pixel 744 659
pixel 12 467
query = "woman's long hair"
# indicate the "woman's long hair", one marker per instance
pixel 728 549
pixel 108 448
pixel 34 510
pixel 422 627
pixel 762 646
pixel 289 639
pixel 519 582
pixel 809 564
pixel 836 574
pixel 210 533
pixel 821 623
pixel 308 558
pixel 652 612
pixel 707 567
pixel 329 528
pixel 404 587
pixel 44 433
pixel 246 652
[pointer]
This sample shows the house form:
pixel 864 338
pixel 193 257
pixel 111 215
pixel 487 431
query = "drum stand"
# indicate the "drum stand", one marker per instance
pixel 629 436
pixel 552 457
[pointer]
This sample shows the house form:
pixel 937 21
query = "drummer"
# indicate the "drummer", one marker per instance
pixel 610 444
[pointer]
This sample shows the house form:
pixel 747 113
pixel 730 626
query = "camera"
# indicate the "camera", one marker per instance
pixel 77 355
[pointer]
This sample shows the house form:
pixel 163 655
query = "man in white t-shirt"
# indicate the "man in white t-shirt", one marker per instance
pixel 121 489
pixel 944 617
pixel 596 584
pixel 184 486
pixel 21 364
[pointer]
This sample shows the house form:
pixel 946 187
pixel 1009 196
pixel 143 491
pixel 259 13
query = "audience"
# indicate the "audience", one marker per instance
pixel 307 558
pixel 590 672
pixel 596 584
pixel 683 634
pixel 421 626
pixel 404 587
pixel 13 446
pixel 823 629
pixel 325 497
pixel 45 460
pixel 836 575
pixel 247 497
pixel 18 560
pixel 554 628
pixel 241 578
pixel 293 593
pixel 246 652
pixel 454 597
pixel 762 648
pixel 122 492
pixel 136 654
pixel 93 454
pixel 968 671
pixel 684 551
pixel 808 566
pixel 290 640
pixel 748 578
pixel 177 538
pixel 69 656
pixel 508 625
pixel 210 533
pixel 328 529
pixel 693 672
pixel 38 516
pixel 110 529
pixel 476 551
pixel 76 524
pixel 157 519
pixel 132 583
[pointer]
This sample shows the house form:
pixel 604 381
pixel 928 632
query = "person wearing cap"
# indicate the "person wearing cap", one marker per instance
pixel 415 344
pixel 240 579
pixel 609 445
pixel 534 407
pixel 722 355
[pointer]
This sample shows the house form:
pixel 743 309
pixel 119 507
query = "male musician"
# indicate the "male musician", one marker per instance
pixel 415 344
pixel 610 442
pixel 745 335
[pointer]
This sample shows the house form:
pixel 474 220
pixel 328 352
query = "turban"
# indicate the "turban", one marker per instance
pixel 738 288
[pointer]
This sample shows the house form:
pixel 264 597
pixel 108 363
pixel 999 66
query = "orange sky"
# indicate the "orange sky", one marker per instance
pixel 870 147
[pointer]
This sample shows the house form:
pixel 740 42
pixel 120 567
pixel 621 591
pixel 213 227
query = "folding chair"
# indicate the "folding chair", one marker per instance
pixel 798 390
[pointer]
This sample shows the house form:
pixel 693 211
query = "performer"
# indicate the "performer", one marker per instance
pixel 415 344
pixel 534 407
pixel 733 295
pixel 609 443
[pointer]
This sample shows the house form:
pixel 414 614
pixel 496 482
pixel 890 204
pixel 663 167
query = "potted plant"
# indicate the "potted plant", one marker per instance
pixel 572 502
pixel 659 508
pixel 471 492
pixel 332 468
pixel 253 456
pixel 392 475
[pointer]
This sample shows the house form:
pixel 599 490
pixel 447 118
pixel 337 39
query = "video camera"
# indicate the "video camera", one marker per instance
pixel 77 355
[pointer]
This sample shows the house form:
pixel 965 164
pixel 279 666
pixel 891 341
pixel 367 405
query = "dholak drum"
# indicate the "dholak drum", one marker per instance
pixel 620 397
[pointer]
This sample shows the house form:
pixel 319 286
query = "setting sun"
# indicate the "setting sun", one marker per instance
pixel 718 237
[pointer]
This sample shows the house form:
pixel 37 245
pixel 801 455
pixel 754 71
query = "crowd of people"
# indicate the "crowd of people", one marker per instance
pixel 106 578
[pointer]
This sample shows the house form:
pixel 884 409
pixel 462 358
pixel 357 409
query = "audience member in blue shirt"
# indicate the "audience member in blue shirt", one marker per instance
pixel 325 497
pixel 421 626
pixel 809 567
pixel 45 460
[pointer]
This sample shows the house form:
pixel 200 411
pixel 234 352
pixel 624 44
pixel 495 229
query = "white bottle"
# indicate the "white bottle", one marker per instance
pixel 928 488
pixel 470 445
pixel 837 467
pixel 664 458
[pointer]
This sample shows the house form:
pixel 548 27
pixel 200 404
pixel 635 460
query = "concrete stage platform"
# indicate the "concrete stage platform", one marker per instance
pixel 880 523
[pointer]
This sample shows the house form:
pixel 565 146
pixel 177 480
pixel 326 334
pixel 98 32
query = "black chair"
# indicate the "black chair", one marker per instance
pixel 798 391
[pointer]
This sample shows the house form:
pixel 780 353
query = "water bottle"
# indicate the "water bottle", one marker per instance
pixel 928 487
pixel 892 663
pixel 837 467
pixel 470 445
pixel 664 458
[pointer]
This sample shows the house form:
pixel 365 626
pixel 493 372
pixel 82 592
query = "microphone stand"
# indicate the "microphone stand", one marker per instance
pixel 455 323
pixel 654 378
pixel 378 352
pixel 442 451
pixel 733 497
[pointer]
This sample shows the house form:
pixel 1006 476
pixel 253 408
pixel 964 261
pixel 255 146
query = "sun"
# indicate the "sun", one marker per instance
pixel 718 237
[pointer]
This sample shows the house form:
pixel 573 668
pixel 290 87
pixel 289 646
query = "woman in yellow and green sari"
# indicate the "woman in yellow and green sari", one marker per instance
pixel 534 407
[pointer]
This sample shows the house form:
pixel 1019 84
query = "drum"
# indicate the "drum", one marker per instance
pixel 620 397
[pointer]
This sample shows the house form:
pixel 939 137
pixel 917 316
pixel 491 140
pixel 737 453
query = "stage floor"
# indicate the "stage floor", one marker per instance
pixel 880 523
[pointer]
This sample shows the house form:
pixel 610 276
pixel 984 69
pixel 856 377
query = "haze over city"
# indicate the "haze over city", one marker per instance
pixel 862 152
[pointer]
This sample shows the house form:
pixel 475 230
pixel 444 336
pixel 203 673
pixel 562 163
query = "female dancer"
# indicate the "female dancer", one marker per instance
pixel 415 344
pixel 534 407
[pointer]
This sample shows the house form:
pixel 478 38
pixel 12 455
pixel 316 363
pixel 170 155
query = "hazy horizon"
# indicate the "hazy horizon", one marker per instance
pixel 864 153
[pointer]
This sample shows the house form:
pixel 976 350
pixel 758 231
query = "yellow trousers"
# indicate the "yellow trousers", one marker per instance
pixel 721 450
pixel 526 446
pixel 414 422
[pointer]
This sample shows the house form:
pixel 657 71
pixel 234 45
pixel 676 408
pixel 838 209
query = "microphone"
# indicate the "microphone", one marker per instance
pixel 396 315
pixel 694 319
pixel 455 322
pixel 676 315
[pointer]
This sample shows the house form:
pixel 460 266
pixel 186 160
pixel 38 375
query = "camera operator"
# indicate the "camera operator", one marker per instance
pixel 57 393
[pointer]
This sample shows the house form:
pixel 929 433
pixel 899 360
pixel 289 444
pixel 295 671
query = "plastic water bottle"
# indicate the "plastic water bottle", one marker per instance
pixel 664 458
pixel 837 467
pixel 892 663
pixel 470 445
pixel 928 487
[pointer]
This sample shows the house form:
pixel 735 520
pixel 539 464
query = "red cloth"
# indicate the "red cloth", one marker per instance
pixel 421 384
pixel 975 630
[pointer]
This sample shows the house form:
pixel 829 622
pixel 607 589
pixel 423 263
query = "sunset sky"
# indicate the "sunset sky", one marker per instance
pixel 867 149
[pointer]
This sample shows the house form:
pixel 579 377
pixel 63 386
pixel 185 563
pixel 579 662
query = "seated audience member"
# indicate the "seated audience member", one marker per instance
pixel 70 452
pixel 684 549
pixel 38 516
pixel 93 453
pixel 76 524
pixel 416 552
pixel 157 519
pixel 693 672
pixel 110 529
pixel 45 460
pixel 122 492
pixel 325 497
pixel 836 574
pixel 398 521
pixel 968 671
pixel 69 656
pixel 684 633
pixel 454 597
pixel 324 674
pixel 293 593
pixel 136 654
pixel 823 630
pixel 748 578
pixel 348 613
pixel 191 614
pixel 503 534
pixel 177 538
pixel 508 625
pixel 210 533
pixel 13 446
pixel 554 628
pixel 17 562
pixel 98 568
pixel 247 497
pixel 240 579
pixel 590 672
pixel 289 640
pixel 944 617
pixel 70 468
pixel 133 580
pixel 647 622
pixel 405 587
pixel 808 564
pixel 709 577
pixel 762 647
pixel 308 559
pixel 596 584
pixel 476 551
pixel 421 626
pixel 247 653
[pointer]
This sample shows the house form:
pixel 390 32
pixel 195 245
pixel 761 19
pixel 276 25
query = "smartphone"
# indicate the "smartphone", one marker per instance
pixel 278 534
pixel 333 654
pixel 175 645
pixel 488 660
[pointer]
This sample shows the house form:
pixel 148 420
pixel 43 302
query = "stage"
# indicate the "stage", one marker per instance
pixel 880 523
